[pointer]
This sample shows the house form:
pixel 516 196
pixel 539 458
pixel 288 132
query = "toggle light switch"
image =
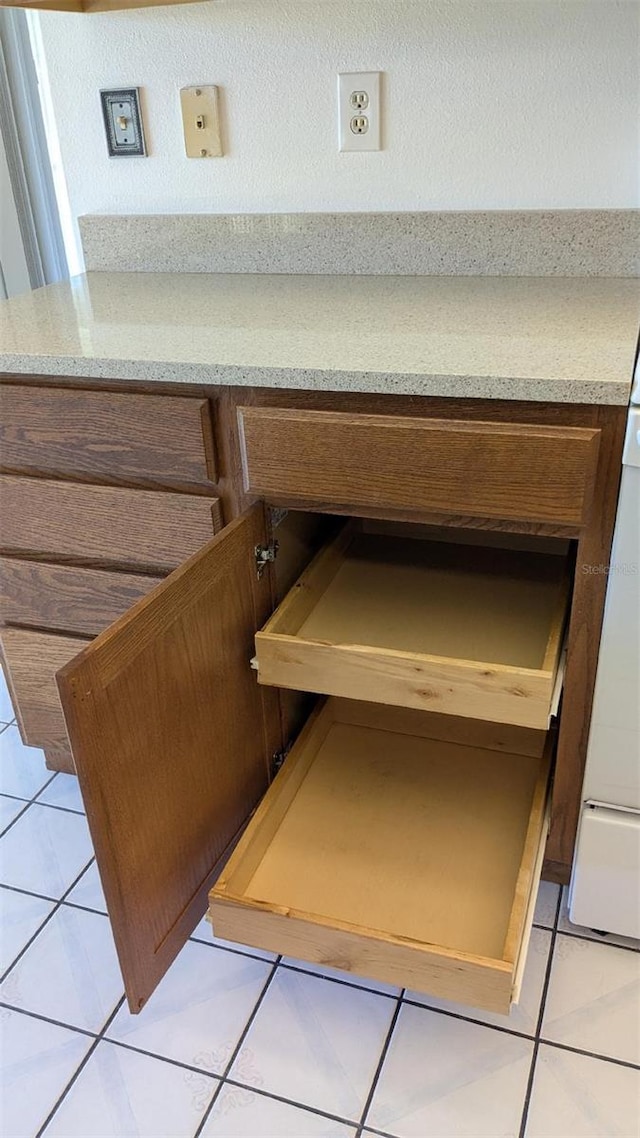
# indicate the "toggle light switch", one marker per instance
pixel 201 122
pixel 123 122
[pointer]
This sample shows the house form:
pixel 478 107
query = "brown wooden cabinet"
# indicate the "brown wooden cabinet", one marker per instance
pixel 420 786
pixel 88 5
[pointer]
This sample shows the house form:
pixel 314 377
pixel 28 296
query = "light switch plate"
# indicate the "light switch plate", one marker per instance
pixel 123 122
pixel 201 122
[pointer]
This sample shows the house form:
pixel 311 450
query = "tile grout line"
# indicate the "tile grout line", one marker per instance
pixel 19 815
pixel 57 906
pixel 381 1062
pixel 47 1019
pixel 290 1102
pixel 28 801
pixel 45 896
pixel 46 805
pixel 80 1067
pixel 380 1133
pixel 339 980
pixel 469 1019
pixel 239 1045
pixel 590 1054
pixel 161 1058
pixel 536 1043
pixel 598 940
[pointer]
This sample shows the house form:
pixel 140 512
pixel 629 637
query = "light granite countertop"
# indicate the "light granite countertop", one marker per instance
pixel 557 339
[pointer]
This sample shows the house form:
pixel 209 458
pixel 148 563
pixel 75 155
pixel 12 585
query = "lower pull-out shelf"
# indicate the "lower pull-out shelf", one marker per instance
pixel 450 628
pixel 400 845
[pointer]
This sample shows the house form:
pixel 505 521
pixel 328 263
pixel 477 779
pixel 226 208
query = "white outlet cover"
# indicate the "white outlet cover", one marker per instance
pixel 351 87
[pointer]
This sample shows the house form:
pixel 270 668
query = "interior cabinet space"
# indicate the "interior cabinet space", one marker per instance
pixel 398 845
pixel 434 625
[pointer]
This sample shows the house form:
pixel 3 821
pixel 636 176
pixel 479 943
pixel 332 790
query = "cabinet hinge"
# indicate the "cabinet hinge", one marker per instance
pixel 264 554
pixel 277 759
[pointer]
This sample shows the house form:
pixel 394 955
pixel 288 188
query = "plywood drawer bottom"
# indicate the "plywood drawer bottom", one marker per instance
pixel 382 850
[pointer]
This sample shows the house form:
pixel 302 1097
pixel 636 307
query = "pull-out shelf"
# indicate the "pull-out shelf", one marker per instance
pixel 400 845
pixel 458 629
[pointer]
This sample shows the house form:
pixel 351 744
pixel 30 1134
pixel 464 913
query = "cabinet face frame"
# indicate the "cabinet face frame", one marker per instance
pixel 594 535
pixel 172 740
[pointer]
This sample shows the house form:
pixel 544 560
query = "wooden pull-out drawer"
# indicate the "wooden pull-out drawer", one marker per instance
pixel 461 630
pixel 31 661
pixel 327 459
pixel 399 846
pixel 66 599
pixel 144 529
pixel 101 436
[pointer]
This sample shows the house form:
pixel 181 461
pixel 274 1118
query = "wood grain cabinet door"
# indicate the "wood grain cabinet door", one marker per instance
pixel 172 738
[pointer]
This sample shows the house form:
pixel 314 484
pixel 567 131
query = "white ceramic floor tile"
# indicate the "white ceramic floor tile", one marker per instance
pixel 70 972
pixel 239 1113
pixel 593 1001
pixel 20 917
pixel 22 769
pixel 6 708
pixel 45 850
pixel 63 790
pixel 120 1093
pixel 546 904
pixel 575 1096
pixel 38 1059
pixel 567 926
pixel 200 1009
pixel 9 809
pixel 204 932
pixel 523 1015
pixel 446 1077
pixel 348 977
pixel 89 891
pixel 315 1042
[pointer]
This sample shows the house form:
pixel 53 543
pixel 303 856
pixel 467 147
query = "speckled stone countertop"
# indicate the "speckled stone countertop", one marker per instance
pixel 557 339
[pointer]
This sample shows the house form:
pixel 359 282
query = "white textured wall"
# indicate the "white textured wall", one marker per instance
pixel 510 104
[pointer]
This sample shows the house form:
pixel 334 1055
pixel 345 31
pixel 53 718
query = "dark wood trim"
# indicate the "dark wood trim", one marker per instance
pixel 585 627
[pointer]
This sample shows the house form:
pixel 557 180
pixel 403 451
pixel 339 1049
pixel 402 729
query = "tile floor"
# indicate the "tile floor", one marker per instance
pixel 243 1044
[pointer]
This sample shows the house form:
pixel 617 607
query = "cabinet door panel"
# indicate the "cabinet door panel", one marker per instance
pixel 171 737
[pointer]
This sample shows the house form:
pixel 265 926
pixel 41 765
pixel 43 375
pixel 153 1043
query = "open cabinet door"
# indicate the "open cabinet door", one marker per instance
pixel 172 738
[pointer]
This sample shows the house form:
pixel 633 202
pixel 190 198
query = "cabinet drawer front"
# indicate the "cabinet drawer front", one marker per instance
pixel 66 599
pixel 484 470
pixel 381 851
pixel 98 435
pixel 455 629
pixel 31 661
pixel 144 529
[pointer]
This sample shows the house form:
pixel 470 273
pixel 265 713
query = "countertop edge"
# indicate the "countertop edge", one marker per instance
pixel 513 388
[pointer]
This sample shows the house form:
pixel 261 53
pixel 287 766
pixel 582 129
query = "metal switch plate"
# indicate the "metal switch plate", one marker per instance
pixel 201 122
pixel 123 122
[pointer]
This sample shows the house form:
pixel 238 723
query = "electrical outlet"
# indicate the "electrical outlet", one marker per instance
pixel 359 111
